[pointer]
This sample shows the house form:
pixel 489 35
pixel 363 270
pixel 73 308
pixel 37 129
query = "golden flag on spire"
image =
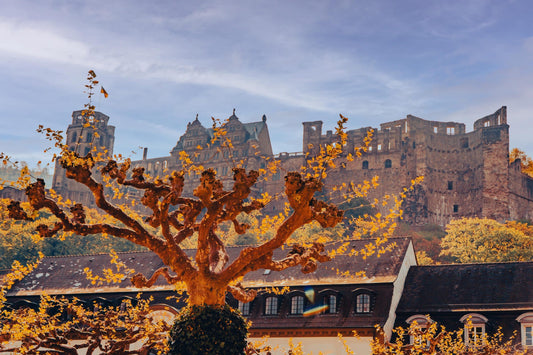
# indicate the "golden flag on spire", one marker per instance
pixel 102 91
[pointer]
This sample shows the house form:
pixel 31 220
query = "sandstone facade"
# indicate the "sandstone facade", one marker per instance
pixel 466 174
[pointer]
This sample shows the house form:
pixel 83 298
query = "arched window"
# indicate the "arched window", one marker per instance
pixel 388 163
pixel 526 331
pixel 416 331
pixel 297 305
pixel 474 324
pixel 271 305
pixel 365 164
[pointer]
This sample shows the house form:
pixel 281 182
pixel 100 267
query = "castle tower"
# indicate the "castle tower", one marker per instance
pixel 84 133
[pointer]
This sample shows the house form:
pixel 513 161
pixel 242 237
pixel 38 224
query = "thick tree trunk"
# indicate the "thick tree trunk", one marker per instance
pixel 206 291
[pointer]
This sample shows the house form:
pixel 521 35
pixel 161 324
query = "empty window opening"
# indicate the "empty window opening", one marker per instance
pixel 455 208
pixel 450 131
pixel 388 163
pixel 450 185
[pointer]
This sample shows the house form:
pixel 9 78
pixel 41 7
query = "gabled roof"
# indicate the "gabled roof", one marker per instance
pixel 463 287
pixel 65 274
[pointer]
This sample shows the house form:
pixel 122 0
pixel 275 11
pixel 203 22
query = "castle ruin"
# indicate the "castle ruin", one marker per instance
pixel 466 174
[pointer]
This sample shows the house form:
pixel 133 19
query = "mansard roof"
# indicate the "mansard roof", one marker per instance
pixel 468 287
pixel 65 274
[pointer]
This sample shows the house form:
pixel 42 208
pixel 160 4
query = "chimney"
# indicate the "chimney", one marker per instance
pixel 145 153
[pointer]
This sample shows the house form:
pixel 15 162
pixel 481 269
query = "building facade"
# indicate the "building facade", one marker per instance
pixel 466 174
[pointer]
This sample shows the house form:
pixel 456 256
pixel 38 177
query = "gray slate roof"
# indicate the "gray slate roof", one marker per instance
pixel 65 275
pixel 462 287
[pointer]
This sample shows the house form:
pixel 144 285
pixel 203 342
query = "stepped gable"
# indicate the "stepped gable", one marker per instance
pixel 462 287
pixel 65 274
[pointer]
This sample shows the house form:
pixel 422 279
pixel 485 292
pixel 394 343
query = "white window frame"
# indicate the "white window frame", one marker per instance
pixel 362 302
pixel 244 308
pixel 526 321
pixel 297 305
pixel 422 323
pixel 474 327
pixel 271 306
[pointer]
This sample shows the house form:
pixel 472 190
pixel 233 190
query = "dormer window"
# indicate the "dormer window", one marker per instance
pixel 362 303
pixel 271 305
pixel 331 302
pixel 474 329
pixel 244 308
pixel 526 331
pixel 297 305
pixel 418 325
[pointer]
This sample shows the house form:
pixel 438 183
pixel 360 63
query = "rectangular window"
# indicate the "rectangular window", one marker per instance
pixel 450 131
pixel 435 129
pixel 363 303
pixel 455 208
pixel 244 308
pixel 475 335
pixel 271 306
pixel 528 335
pixel 297 305
pixel 331 302
pixel 450 185
pixel 379 146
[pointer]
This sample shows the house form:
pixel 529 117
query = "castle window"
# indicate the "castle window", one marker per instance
pixel 89 137
pixel 455 208
pixel 450 185
pixel 370 148
pixel 486 124
pixel 271 305
pixel 87 150
pixel 297 305
pixel 362 303
pixel 365 164
pixel 474 329
pixel 435 129
pixel 244 308
pixel 450 131
pixel 526 333
pixel 388 163
pixel 379 146
pixel 74 136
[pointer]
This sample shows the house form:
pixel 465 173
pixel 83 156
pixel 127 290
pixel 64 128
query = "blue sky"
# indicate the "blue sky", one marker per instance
pixel 163 62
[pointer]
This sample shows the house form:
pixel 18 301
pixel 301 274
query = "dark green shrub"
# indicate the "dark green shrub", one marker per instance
pixel 208 330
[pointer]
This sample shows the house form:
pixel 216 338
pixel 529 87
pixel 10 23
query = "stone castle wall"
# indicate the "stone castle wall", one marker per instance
pixel 466 174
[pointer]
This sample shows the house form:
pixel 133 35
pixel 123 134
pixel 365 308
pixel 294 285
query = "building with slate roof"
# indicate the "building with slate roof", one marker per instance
pixel 359 299
pixel 492 295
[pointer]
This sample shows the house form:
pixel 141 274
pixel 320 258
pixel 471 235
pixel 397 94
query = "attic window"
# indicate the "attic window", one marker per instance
pixel 271 305
pixel 266 272
pixel 331 302
pixel 244 308
pixel 526 333
pixel 297 305
pixel 362 303
pixel 474 329
pixel 422 323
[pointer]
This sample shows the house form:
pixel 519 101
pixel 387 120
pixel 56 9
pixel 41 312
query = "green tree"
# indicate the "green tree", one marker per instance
pixel 478 240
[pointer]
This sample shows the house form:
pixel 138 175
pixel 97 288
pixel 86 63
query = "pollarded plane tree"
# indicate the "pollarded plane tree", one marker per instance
pixel 209 275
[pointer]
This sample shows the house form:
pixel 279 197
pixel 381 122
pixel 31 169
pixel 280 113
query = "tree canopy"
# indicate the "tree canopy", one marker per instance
pixel 476 240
